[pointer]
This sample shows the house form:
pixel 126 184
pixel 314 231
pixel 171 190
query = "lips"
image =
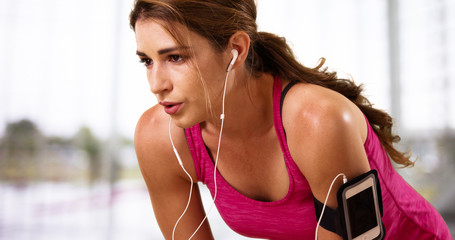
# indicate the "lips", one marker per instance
pixel 171 107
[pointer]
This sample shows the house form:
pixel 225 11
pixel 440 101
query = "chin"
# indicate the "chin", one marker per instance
pixel 184 122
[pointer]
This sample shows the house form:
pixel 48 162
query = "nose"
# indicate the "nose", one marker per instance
pixel 158 79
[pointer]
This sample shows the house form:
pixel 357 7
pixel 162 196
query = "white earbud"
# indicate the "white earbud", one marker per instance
pixel 235 54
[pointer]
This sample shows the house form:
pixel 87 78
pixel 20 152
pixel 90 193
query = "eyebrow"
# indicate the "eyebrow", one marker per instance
pixel 162 51
pixel 141 54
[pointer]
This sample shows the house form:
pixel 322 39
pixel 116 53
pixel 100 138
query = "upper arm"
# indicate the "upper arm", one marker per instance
pixel 167 183
pixel 333 145
pixel 325 138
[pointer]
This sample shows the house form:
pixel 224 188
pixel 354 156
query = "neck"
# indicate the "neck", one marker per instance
pixel 248 108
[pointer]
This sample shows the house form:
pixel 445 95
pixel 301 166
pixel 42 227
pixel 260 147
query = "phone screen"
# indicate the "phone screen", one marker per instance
pixel 362 210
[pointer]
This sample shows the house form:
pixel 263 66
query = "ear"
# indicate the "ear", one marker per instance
pixel 239 41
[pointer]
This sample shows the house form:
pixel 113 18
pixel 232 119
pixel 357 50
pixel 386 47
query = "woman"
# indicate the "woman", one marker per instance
pixel 272 146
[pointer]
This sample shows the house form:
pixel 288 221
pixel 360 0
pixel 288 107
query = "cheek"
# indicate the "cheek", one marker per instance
pixel 207 82
pixel 189 81
pixel 213 76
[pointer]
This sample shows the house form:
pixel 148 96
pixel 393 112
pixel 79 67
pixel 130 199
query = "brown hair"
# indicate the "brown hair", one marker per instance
pixel 217 20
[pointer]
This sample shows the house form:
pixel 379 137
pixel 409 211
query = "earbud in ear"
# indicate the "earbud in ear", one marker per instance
pixel 235 54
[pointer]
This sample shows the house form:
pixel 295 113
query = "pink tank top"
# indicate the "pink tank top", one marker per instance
pixel 406 214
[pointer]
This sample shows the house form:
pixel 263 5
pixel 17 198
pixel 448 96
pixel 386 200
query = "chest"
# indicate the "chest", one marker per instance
pixel 254 167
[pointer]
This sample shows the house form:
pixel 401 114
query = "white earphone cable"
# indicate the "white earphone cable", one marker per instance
pixel 216 159
pixel 214 170
pixel 189 176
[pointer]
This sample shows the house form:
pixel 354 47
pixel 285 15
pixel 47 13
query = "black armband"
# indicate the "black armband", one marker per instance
pixel 359 209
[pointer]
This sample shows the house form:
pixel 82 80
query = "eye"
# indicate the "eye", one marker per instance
pixel 175 58
pixel 146 61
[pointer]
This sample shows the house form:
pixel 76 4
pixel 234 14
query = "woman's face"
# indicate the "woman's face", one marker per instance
pixel 174 72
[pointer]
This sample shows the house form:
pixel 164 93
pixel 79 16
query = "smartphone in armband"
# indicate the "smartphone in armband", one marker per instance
pixel 360 207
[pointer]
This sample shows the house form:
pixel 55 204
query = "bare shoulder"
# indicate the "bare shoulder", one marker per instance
pixel 325 134
pixel 154 149
pixel 152 132
pixel 320 109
